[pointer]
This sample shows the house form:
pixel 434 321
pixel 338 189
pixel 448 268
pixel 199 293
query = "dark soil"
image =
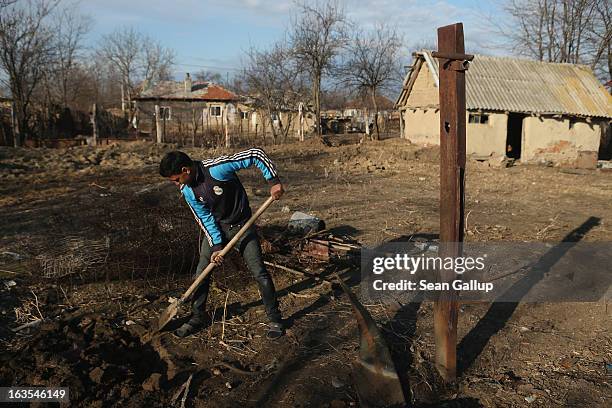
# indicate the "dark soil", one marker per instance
pixel 133 245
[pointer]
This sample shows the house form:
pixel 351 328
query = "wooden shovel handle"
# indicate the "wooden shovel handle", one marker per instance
pixel 227 248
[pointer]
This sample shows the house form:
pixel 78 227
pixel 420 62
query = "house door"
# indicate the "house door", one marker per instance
pixel 514 136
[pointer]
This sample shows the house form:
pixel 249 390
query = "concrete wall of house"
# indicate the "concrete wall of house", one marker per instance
pixel 424 91
pixel 563 141
pixel 181 115
pixel 288 119
pixel 422 126
pixel 422 120
pixel 487 139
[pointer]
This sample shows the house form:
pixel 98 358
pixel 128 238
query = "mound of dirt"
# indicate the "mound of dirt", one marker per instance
pixel 100 363
pixel 24 162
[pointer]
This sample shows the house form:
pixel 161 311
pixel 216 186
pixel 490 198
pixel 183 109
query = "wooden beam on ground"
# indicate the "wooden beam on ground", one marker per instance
pixel 452 182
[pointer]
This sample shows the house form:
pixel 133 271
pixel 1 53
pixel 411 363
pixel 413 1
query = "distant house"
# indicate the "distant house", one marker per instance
pixel 185 105
pixel 359 106
pixel 352 116
pixel 190 107
pixel 527 110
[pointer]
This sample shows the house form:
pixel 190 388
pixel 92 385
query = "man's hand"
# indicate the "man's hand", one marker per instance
pixel 277 191
pixel 216 258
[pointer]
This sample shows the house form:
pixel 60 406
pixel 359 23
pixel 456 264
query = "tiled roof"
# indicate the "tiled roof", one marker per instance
pixel 207 91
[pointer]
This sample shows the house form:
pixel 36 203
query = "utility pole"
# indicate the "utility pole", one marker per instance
pixel 453 64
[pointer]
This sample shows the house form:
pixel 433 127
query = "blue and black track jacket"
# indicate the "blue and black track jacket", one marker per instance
pixel 216 195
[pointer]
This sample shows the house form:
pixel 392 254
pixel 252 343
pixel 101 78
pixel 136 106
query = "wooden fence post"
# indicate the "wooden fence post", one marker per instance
pixel 301 121
pixel 158 125
pixel 452 181
pixel 226 123
pixel 94 124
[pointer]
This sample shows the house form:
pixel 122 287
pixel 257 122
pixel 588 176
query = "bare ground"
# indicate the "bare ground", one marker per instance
pixel 104 242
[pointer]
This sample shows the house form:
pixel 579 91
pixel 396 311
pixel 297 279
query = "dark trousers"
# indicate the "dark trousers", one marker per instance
pixel 250 250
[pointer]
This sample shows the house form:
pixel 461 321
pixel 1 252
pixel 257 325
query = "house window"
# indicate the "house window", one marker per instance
pixel 165 112
pixel 215 111
pixel 244 115
pixel 479 118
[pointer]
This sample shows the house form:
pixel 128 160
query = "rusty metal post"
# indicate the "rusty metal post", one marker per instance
pixel 452 179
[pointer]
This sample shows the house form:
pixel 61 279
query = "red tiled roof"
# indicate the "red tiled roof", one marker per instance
pixel 206 91
pixel 216 92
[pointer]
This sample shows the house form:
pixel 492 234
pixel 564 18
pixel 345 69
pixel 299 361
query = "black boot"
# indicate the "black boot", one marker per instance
pixel 275 330
pixel 268 297
pixel 196 323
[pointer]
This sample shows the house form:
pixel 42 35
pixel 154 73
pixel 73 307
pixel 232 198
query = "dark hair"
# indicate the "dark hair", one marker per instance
pixel 173 163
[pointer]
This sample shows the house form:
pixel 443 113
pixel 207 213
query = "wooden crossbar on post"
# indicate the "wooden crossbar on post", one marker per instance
pixel 452 181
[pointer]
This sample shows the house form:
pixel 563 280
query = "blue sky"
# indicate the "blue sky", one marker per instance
pixel 212 35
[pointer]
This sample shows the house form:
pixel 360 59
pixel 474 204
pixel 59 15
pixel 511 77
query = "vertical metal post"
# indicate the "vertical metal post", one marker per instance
pixel 452 180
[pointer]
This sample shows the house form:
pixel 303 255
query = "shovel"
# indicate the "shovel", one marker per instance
pixel 172 310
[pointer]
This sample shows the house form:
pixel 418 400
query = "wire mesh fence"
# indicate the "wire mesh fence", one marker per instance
pixel 147 235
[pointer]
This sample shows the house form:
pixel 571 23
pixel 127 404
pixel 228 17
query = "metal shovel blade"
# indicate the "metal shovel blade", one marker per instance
pixel 166 316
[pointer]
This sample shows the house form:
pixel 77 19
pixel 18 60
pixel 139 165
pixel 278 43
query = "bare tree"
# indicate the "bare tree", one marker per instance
pixel 208 76
pixel 599 40
pixel 574 31
pixel 135 57
pixel 317 35
pixel 66 74
pixel 273 78
pixel 26 48
pixel 157 61
pixel 103 80
pixel 122 48
pixel 372 64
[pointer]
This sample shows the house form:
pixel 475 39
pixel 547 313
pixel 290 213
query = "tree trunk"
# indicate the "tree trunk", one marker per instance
pixel 15 126
pixel 317 101
pixel 22 129
pixel 122 98
pixel 377 137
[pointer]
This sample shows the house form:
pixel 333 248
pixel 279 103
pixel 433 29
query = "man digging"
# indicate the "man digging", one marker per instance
pixel 220 205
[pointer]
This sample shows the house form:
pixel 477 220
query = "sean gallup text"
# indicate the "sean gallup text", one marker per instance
pixel 424 285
